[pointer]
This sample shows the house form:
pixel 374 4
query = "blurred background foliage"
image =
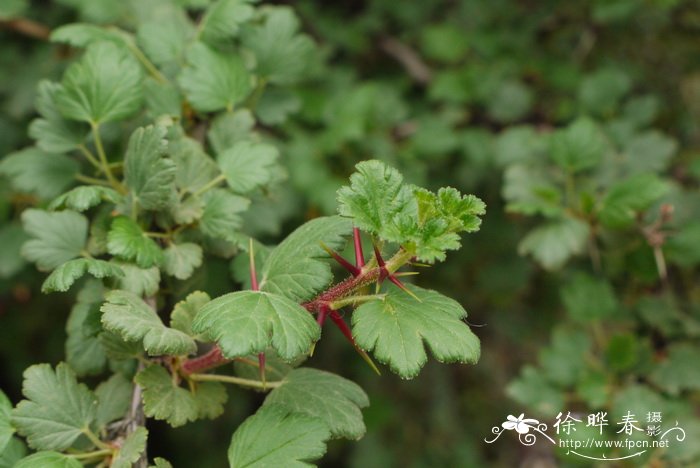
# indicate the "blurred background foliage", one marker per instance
pixel 577 122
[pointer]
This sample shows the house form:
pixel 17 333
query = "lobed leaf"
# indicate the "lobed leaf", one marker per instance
pixel 147 173
pixel 295 268
pixel 213 81
pixel 164 400
pixel 331 398
pixel 248 165
pixel 127 241
pixel 274 436
pixel 180 260
pixel 104 86
pixel 131 449
pixel 127 314
pixel 57 410
pixel 35 171
pixel 55 237
pixel 85 197
pixel 397 327
pixel 247 322
pixel 63 277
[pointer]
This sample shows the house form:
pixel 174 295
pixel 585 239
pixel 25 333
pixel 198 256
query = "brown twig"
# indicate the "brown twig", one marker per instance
pixel 27 27
pixel 414 65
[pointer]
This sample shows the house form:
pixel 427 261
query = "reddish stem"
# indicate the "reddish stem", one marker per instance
pixel 338 291
pixel 205 362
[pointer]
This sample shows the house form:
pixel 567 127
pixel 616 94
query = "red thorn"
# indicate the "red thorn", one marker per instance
pixel 261 367
pixel 359 256
pixel 338 320
pixel 403 287
pixel 344 263
pixel 380 260
pixel 321 317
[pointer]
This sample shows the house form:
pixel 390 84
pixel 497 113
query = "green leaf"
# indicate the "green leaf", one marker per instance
pixel 165 41
pixel 625 199
pixel 221 213
pixel 282 55
pixel 529 190
pixel 375 198
pixel 213 81
pixel 533 389
pixel 180 260
pixel 55 237
pixel 83 35
pixel 164 400
pixel 650 151
pixel 127 241
pixel 45 459
pixel 295 268
pixel 57 410
pixel 13 452
pixel 329 397
pixel 63 277
pixel 275 437
pixel 105 85
pixel 147 173
pixel 85 197
pixel 161 463
pixel 426 224
pixel 223 19
pixel 579 146
pixel 139 281
pixel 128 315
pixel 564 360
pixel 52 132
pixel 84 352
pixel 276 106
pixel 600 92
pixel 12 237
pixel 32 170
pixel 552 244
pixel 587 298
pixel 132 448
pixel 162 99
pixel 680 370
pixel 247 322
pixel 185 311
pixel 248 165
pixel 195 168
pixel 113 399
pixel 6 429
pixel 229 128
pixel 397 326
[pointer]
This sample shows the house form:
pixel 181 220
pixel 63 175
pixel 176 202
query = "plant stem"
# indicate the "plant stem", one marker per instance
pixel 148 65
pixel 94 454
pixel 211 184
pixel 369 274
pixel 92 180
pixel 95 440
pixel 90 157
pixel 103 159
pixel 234 380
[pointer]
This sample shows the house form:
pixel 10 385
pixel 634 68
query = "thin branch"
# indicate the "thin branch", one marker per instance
pixel 408 58
pixel 27 27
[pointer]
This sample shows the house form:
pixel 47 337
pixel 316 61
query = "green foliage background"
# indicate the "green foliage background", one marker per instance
pixel 576 122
